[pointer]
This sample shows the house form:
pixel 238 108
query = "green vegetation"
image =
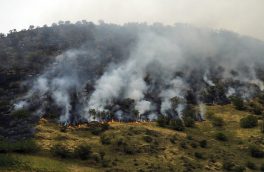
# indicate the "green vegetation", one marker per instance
pixel 177 125
pixel 60 150
pixel 221 136
pixel 217 121
pixel 141 147
pixel 251 165
pixel 256 152
pixel 238 102
pixel 249 122
pixel 83 151
pixel 21 114
pixel 262 168
pixel 23 146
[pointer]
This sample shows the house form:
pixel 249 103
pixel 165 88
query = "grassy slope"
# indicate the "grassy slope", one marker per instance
pixel 170 156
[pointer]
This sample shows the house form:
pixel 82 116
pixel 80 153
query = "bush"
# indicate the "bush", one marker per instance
pixel 238 103
pixel 231 166
pixel 23 146
pixel 262 126
pixel 163 120
pixel 7 161
pixel 221 137
pixel 239 168
pixel 97 128
pixel 262 168
pixel 173 139
pixel 251 165
pixel 177 125
pixel 194 145
pixel 217 121
pixel 83 151
pixel 60 150
pixel 129 149
pixel 210 115
pixel 183 145
pixel 105 140
pixel 203 143
pixel 248 122
pixel 148 139
pixel 228 165
pixel 199 155
pixel 105 163
pixel 21 114
pixel 257 110
pixel 256 152
pixel 102 154
pixel 189 122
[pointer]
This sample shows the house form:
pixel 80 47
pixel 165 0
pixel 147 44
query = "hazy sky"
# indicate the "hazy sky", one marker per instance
pixel 243 16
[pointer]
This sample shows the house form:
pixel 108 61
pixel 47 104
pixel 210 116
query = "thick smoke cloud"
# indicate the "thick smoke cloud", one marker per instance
pixel 139 71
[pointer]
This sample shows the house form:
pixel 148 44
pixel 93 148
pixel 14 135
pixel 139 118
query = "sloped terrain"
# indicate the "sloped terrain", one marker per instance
pixel 145 146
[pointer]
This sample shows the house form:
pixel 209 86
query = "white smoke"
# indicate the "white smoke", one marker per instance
pixel 143 106
pixel 177 88
pixel 163 61
pixel 202 109
pixel 207 80
pixel 127 80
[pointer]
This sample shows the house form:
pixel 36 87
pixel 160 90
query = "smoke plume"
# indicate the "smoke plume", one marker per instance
pixel 137 71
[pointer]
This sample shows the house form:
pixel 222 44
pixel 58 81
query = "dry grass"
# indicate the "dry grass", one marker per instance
pixel 170 156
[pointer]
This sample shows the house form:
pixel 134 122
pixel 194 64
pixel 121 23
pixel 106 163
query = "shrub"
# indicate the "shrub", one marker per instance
pixel 262 126
pixel 189 122
pixel 105 163
pixel 177 125
pixel 256 152
pixel 228 165
pixel 4 105
pixel 199 155
pixel 239 168
pixel 257 110
pixel 221 136
pixel 163 121
pixel 60 150
pixel 173 139
pixel 210 115
pixel 129 149
pixel 231 166
pixel 83 151
pixel 203 143
pixel 217 121
pixel 21 114
pixel 22 146
pixel 238 103
pixel 7 161
pixel 262 168
pixel 148 139
pixel 249 122
pixel 96 131
pixel 105 140
pixel 25 146
pixel 102 154
pixel 97 128
pixel 105 126
pixel 194 145
pixel 251 165
pixel 95 157
pixel 183 145
pixel 189 137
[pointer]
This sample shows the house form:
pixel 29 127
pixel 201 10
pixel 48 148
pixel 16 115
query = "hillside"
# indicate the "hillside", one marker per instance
pixel 132 97
pixel 145 147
